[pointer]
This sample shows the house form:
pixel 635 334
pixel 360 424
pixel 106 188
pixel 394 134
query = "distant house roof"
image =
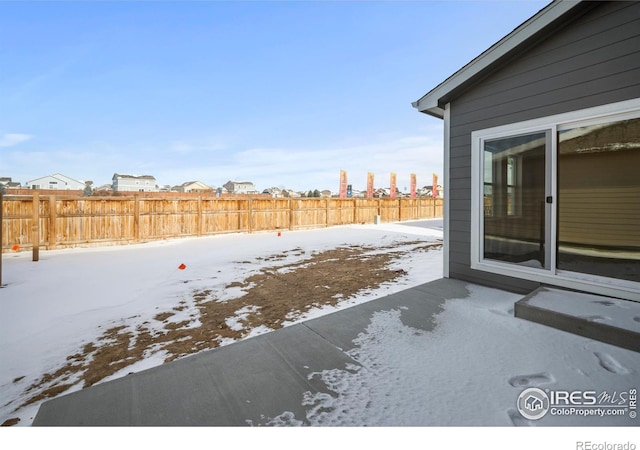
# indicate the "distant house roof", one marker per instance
pixel 233 186
pixel 551 16
pixel 138 177
pixel 197 185
pixel 6 181
pixel 58 176
pixel 274 191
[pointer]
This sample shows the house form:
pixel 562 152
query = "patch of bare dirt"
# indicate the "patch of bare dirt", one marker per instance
pixel 273 296
pixel 10 422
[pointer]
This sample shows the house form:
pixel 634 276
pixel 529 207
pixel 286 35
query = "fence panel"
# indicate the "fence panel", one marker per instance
pixel 366 210
pixel 17 221
pixel 225 216
pixel 265 214
pixel 341 211
pixel 390 210
pixel 65 221
pixel 80 221
pixel 217 217
pixel 161 218
pixel 309 213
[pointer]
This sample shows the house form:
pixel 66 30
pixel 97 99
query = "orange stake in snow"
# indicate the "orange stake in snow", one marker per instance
pixel 15 248
pixel 182 266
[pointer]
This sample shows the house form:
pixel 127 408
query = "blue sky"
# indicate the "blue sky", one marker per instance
pixel 278 93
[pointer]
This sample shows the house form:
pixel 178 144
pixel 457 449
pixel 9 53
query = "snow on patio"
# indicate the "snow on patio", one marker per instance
pixel 468 371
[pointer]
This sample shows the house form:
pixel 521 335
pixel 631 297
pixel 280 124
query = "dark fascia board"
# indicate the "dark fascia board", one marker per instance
pixel 433 102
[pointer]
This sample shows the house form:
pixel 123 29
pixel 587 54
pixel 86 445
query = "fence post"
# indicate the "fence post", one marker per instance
pixel 199 215
pixel 326 215
pixel 291 219
pixel 51 239
pixel 275 223
pixel 239 213
pixel 136 218
pixel 250 215
pixel 35 227
pixel 355 211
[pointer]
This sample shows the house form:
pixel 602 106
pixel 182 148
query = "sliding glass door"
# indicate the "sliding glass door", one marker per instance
pixel 556 199
pixel 599 199
pixel 516 188
pixel 596 212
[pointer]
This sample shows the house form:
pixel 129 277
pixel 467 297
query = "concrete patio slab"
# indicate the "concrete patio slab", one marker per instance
pixel 245 382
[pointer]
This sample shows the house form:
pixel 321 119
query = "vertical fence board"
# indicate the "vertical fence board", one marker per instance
pixel 35 226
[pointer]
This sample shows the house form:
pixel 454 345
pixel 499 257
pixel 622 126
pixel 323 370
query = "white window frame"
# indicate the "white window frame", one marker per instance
pixel 585 117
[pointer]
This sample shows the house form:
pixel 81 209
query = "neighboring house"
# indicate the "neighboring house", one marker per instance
pixel 290 193
pixel 7 182
pixel 427 191
pixel 381 192
pixel 275 192
pixel 56 181
pixel 133 183
pixel 541 152
pixel 240 187
pixel 326 193
pixel 192 186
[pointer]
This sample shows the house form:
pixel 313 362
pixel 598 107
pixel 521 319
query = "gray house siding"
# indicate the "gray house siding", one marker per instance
pixel 594 60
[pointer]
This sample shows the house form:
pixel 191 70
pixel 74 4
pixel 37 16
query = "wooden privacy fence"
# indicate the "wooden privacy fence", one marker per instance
pixel 62 222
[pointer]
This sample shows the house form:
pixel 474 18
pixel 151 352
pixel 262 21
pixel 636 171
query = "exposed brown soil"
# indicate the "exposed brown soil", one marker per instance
pixel 273 296
pixel 10 422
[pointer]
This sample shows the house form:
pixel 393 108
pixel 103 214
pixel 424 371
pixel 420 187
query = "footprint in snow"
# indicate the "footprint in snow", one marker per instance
pixel 610 364
pixel 604 302
pixel 500 312
pixel 636 319
pixel 532 380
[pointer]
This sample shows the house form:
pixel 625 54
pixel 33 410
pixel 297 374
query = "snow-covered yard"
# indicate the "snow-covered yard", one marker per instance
pixel 73 301
pixel 467 371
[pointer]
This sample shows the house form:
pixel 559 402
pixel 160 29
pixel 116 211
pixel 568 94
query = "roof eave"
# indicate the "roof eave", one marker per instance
pixel 432 102
pixel 434 111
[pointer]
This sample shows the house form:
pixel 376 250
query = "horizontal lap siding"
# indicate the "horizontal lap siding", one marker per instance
pixel 592 61
pixel 585 224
